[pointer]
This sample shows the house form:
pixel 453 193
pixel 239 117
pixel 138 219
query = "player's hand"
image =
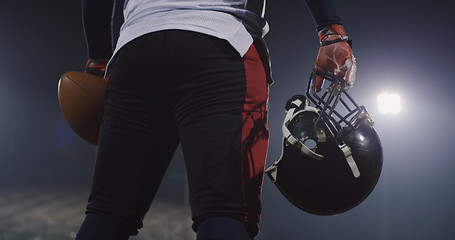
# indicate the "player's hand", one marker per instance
pixel 96 67
pixel 335 55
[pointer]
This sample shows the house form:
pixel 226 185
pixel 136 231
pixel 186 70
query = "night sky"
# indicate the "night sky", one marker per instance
pixel 405 47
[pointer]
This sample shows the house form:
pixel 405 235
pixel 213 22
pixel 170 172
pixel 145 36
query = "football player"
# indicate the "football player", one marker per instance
pixel 194 72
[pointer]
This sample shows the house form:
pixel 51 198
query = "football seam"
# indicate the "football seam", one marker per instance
pixel 85 90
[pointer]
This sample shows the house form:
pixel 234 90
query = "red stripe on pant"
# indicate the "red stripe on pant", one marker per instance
pixel 255 136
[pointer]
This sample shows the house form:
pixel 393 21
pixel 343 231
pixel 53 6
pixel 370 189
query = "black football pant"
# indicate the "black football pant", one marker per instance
pixel 177 86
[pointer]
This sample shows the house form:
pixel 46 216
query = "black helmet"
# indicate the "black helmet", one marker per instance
pixel 332 156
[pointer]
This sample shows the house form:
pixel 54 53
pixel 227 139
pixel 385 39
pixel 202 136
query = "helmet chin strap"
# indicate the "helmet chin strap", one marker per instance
pixel 348 156
pixel 306 150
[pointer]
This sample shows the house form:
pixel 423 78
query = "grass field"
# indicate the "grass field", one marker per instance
pixel 56 214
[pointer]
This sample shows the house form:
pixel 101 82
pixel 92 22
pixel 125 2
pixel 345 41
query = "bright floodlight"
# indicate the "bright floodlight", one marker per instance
pixel 389 103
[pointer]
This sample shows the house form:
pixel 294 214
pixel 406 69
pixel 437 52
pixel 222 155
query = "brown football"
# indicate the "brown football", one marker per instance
pixel 81 97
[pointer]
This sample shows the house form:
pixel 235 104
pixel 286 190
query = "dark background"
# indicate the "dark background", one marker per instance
pixel 401 46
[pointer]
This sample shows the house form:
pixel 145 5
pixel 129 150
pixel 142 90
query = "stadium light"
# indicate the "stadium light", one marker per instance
pixel 389 103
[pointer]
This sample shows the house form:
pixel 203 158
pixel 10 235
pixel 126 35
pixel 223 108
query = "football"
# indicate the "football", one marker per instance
pixel 81 98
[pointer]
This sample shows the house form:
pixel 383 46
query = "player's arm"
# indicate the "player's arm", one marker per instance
pixel 335 53
pixel 97 25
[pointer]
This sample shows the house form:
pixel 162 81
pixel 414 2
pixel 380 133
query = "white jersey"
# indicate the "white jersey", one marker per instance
pixel 237 21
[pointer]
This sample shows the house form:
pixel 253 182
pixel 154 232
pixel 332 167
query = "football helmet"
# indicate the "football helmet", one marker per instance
pixel 332 155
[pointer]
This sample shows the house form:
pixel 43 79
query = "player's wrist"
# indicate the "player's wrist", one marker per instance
pixel 96 63
pixel 96 66
pixel 332 29
pixel 332 34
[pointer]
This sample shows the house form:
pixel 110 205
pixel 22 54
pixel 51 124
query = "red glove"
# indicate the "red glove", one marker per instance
pixel 335 55
pixel 96 67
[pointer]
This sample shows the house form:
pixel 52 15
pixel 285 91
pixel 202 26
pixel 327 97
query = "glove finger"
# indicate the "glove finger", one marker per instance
pixel 342 72
pixel 347 71
pixel 350 75
pixel 319 82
